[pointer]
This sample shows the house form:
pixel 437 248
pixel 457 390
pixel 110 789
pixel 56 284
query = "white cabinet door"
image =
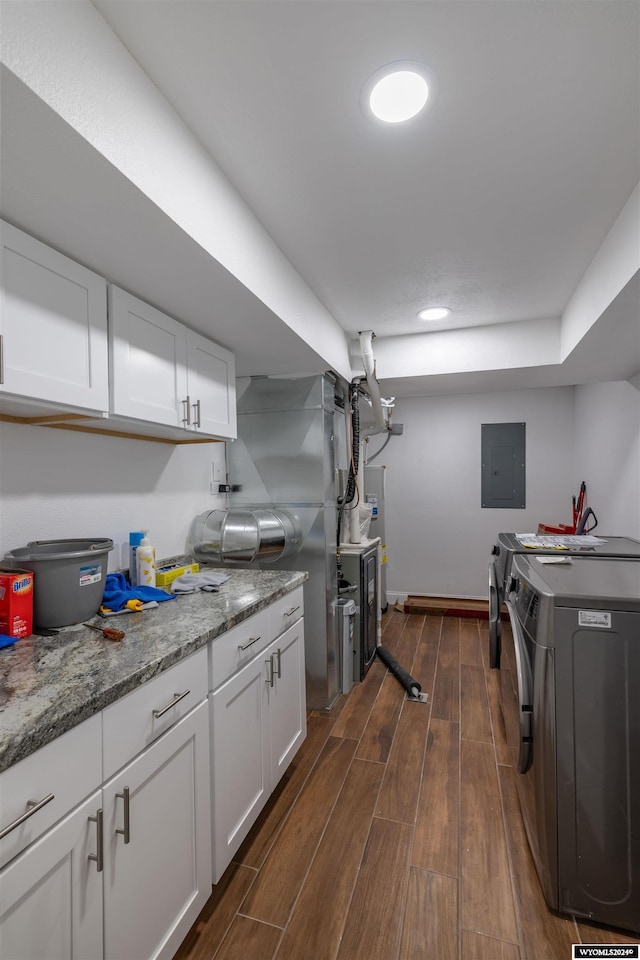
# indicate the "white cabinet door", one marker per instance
pixel 164 373
pixel 51 895
pixel 157 874
pixel 240 771
pixel 287 702
pixel 211 387
pixel 258 722
pixel 53 324
pixel 148 362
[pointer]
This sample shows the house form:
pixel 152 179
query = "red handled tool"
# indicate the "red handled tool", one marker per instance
pixel 107 632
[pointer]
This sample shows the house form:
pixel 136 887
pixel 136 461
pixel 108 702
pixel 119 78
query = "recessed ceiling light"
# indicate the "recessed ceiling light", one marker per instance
pixel 434 313
pixel 399 91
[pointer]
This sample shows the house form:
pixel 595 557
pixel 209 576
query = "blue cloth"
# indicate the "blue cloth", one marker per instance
pixel 6 640
pixel 117 590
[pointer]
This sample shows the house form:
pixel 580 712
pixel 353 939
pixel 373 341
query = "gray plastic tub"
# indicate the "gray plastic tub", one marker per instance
pixel 68 578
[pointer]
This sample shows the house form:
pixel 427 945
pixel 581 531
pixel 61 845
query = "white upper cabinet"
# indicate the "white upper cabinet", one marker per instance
pixel 162 372
pixel 211 386
pixel 148 361
pixel 53 325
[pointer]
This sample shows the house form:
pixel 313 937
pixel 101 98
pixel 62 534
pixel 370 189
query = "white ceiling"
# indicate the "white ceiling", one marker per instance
pixel 494 202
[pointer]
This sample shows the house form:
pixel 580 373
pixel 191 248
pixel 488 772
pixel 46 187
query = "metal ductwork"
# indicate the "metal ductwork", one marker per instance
pixel 242 536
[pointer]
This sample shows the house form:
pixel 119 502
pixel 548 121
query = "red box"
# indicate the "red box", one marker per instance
pixel 562 528
pixel 16 602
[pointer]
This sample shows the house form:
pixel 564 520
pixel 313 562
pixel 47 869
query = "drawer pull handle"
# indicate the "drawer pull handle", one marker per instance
pixel 196 414
pixel 178 697
pixel 126 831
pixel 187 411
pixel 278 656
pixel 252 640
pixel 290 613
pixel 98 856
pixel 271 673
pixel 34 806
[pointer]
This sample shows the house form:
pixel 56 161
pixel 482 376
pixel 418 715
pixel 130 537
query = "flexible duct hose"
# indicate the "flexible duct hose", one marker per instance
pixel 354 461
pixel 412 686
pixel 355 442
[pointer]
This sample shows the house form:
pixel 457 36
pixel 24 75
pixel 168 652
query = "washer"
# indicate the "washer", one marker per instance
pixel 570 696
pixel 509 545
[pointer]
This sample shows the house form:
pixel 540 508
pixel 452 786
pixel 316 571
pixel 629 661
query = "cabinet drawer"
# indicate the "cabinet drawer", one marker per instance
pixel 285 612
pixel 68 769
pixel 238 646
pixel 139 718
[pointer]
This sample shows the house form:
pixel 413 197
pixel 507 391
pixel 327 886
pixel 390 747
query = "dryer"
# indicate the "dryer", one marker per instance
pixel 570 696
pixel 508 545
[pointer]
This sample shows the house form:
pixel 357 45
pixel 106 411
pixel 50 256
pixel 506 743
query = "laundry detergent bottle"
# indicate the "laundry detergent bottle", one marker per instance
pixel 146 564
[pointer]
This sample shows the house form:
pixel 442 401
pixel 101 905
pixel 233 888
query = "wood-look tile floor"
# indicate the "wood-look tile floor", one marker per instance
pixel 396 832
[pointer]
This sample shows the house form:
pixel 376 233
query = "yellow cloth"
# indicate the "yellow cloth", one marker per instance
pixel 134 605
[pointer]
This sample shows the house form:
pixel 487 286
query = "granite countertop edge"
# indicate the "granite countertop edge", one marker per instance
pixel 48 685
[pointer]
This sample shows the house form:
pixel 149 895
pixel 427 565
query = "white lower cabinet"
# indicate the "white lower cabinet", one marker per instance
pixel 51 895
pixel 107 833
pixel 124 874
pixel 258 721
pixel 239 760
pixel 287 701
pixel 156 828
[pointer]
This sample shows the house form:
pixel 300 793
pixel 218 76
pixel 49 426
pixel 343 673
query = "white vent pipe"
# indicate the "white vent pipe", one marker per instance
pixel 366 351
pixel 381 426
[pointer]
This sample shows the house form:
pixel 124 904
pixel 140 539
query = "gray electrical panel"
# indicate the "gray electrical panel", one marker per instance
pixel 503 465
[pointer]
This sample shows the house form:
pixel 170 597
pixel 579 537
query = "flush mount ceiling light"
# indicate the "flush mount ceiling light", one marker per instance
pixel 434 313
pixel 399 91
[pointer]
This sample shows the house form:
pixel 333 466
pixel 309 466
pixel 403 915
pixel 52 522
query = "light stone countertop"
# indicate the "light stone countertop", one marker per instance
pixel 50 684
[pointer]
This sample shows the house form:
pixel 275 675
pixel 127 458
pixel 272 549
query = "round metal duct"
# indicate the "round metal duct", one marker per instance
pixel 242 535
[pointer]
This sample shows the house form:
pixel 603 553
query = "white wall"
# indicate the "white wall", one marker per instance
pixel 59 484
pixel 607 453
pixel 55 484
pixel 438 535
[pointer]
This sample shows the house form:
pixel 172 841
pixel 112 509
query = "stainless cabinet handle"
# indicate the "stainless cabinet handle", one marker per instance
pixel 177 698
pixel 270 679
pixel 187 411
pixel 98 856
pixel 291 612
pixel 246 646
pixel 126 831
pixel 278 656
pixel 1 358
pixel 34 806
pixel 196 413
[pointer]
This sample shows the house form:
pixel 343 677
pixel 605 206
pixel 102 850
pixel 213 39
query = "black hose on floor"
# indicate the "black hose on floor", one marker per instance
pixel 412 686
